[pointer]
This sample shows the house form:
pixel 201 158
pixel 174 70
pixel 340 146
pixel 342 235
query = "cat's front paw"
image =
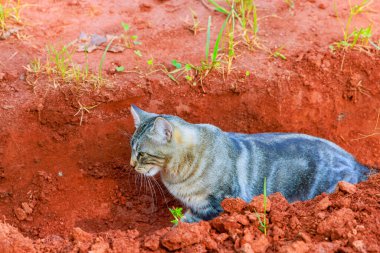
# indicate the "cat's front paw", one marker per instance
pixel 189 217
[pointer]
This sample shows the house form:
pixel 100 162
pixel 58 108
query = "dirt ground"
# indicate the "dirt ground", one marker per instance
pixel 65 180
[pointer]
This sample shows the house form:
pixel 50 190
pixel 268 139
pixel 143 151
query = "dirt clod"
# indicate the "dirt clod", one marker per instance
pixel 26 208
pixel 338 225
pixel 233 205
pixel 324 203
pixel 20 214
pixel 346 187
pixel 185 235
pixel 257 204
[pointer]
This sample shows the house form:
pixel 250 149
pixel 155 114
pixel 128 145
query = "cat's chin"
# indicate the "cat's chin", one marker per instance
pixel 152 172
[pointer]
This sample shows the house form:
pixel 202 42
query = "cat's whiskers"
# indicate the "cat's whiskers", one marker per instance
pixel 153 192
pixel 161 191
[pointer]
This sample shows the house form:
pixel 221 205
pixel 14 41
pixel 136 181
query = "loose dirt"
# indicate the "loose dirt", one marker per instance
pixel 66 187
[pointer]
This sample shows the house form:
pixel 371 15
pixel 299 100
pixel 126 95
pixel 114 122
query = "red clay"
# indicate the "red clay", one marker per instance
pixel 69 188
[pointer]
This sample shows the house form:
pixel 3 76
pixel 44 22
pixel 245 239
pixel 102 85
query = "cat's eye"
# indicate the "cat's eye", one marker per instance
pixel 139 155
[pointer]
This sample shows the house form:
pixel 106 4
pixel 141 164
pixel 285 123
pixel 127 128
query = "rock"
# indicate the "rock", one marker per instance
pixel 225 224
pixel 324 203
pixel 260 244
pixel 338 225
pixel 346 187
pixel 80 235
pixel 324 247
pixel 295 247
pixel 126 242
pixel 246 248
pixel 359 246
pixel 185 234
pixel 233 205
pixel 294 223
pixel 100 246
pixel 242 219
pixel 26 208
pixel 20 214
pixel 278 202
pixel 257 204
pixel 221 237
pixel 277 233
pixel 305 237
pixel 152 242
pixel 210 244
pixel 11 240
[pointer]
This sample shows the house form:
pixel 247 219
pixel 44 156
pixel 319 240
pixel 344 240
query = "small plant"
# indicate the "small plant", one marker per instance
pixel 177 214
pixel 10 13
pixel 195 26
pixel 61 68
pixel 245 12
pixel 263 221
pixel 129 40
pixel 290 3
pixel 277 54
pixel 357 37
pixel 82 109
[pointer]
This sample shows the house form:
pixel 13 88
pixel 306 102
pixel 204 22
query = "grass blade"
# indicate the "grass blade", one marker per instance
pixel 208 38
pixel 217 42
pixel 218 7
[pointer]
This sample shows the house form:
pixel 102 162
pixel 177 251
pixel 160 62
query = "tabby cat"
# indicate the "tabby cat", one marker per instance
pixel 201 165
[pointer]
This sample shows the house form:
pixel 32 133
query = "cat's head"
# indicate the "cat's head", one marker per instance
pixel 151 143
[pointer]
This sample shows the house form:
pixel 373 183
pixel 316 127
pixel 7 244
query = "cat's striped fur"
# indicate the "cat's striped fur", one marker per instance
pixel 201 165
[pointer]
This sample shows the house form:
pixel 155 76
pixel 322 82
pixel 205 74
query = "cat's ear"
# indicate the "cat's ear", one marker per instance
pixel 140 115
pixel 163 129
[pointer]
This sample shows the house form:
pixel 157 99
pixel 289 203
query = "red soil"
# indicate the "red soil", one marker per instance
pixel 69 188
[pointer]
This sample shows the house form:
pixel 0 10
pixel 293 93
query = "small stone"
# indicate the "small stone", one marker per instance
pixel 346 187
pixel 100 246
pixel 261 244
pixel 359 245
pixel 324 203
pixel 246 248
pixel 305 237
pixel 26 208
pixel 233 205
pixel 80 235
pixel 152 242
pixel 242 219
pixel 20 214
pixel 295 247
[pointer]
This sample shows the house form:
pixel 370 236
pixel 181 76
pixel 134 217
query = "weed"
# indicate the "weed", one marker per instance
pixel 263 221
pixel 129 40
pixel 34 66
pixel 82 109
pixel 376 129
pixel 9 13
pixel 277 53
pixel 195 26
pixel 177 214
pixel 358 37
pixel 61 68
pixel 290 3
pixel 197 73
pixel 120 69
pixel 245 11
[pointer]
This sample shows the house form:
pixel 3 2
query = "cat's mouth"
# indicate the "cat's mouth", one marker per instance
pixel 150 172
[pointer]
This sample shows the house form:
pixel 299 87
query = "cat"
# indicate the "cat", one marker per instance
pixel 201 165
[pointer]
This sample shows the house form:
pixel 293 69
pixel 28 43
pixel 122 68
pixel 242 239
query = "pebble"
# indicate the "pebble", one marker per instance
pixel 20 214
pixel 346 187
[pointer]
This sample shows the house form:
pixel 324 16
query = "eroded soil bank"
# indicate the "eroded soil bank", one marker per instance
pixel 68 187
